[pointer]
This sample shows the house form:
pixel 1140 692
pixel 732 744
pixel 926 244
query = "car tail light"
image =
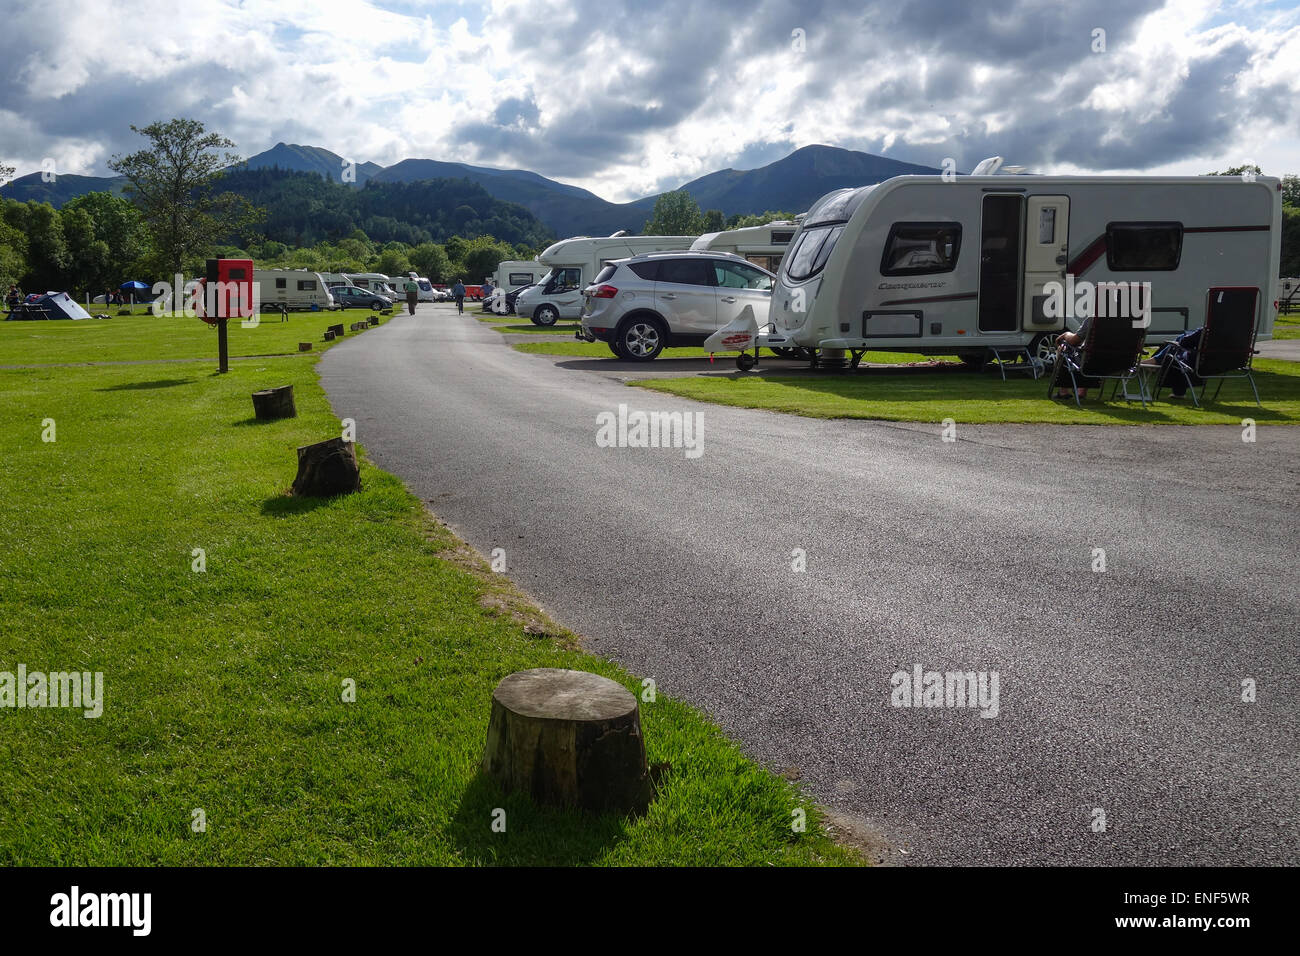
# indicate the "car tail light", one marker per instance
pixel 604 292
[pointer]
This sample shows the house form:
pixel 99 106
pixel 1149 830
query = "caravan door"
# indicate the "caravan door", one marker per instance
pixel 1047 250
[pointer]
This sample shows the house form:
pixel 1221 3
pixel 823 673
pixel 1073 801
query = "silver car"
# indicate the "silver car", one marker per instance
pixel 642 305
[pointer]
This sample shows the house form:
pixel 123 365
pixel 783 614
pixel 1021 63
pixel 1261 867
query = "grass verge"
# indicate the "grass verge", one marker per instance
pixel 223 688
pixel 983 398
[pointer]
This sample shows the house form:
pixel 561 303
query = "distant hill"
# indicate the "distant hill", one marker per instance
pixel 310 159
pixel 30 188
pixel 792 183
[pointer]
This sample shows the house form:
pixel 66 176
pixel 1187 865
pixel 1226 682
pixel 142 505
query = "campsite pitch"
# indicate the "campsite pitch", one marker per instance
pixel 146 535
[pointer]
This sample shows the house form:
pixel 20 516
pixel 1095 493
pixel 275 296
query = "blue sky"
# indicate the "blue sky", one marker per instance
pixel 627 99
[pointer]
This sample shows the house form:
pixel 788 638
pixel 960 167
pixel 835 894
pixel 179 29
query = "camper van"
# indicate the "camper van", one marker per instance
pixel 291 288
pixel 1006 262
pixel 573 263
pixel 335 278
pixel 765 246
pixel 514 274
pixel 375 282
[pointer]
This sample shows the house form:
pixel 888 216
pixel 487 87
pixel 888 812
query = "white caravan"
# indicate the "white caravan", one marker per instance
pixel 375 282
pixel 764 246
pixel 917 264
pixel 515 274
pixel 291 288
pixel 573 263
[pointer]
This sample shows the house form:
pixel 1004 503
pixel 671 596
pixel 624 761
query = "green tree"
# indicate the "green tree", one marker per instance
pixel 6 172
pixel 47 250
pixel 13 256
pixel 394 261
pixel 739 221
pixel 172 183
pixel 1290 263
pixel 430 260
pixel 1291 191
pixel 714 221
pixel 118 244
pixel 675 214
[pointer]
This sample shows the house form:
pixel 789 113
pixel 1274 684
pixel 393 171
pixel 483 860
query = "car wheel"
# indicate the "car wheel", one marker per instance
pixel 376 306
pixel 613 347
pixel 545 315
pixel 1043 347
pixel 640 340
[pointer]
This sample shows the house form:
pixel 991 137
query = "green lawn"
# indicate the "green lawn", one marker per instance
pixel 223 688
pixel 727 359
pixel 1287 326
pixel 149 337
pixel 982 397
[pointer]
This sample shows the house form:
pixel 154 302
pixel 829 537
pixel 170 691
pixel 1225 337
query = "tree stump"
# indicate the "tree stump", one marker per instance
pixel 304 346
pixel 337 330
pixel 568 738
pixel 374 320
pixel 329 335
pixel 272 403
pixel 326 469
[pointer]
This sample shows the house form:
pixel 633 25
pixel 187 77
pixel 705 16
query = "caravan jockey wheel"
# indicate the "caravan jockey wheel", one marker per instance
pixel 745 361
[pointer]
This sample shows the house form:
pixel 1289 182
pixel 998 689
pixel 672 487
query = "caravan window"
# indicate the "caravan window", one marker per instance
pixel 519 278
pixel 281 283
pixel 1143 246
pixel 810 251
pixel 919 248
pixel 306 285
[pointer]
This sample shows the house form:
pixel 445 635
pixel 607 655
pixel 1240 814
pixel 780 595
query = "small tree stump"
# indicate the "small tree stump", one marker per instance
pixel 272 403
pixel 337 329
pixel 304 346
pixel 326 469
pixel 568 738
pixel 329 335
pixel 374 320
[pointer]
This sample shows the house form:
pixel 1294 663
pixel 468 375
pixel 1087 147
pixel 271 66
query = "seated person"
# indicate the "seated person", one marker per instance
pixel 1071 342
pixel 1184 349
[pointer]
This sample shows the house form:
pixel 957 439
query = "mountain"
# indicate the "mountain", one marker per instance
pixel 791 184
pixel 569 210
pixel 30 188
pixel 310 159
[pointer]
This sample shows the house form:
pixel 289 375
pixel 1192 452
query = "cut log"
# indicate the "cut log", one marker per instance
pixel 337 329
pixel 568 738
pixel 329 335
pixel 272 403
pixel 374 320
pixel 326 469
pixel 304 346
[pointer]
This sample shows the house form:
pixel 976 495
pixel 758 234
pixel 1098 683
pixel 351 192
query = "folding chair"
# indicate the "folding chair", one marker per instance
pixel 1111 350
pixel 1226 348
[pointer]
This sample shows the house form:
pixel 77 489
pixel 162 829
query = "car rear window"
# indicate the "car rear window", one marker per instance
pixel 686 271
pixel 605 275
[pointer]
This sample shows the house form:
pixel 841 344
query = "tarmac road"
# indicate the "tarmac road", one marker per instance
pixel 1119 691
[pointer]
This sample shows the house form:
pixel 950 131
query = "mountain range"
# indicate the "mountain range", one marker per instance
pixel 790 184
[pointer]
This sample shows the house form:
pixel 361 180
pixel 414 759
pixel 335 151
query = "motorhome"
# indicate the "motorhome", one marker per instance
pixel 375 282
pixel 764 245
pixel 573 263
pixel 987 261
pixel 514 274
pixel 335 278
pixel 291 288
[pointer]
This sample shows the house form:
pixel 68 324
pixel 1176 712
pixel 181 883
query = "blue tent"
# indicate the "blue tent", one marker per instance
pixel 133 286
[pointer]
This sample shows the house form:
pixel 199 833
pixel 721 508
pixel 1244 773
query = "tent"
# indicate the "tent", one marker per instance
pixel 51 305
pixel 134 291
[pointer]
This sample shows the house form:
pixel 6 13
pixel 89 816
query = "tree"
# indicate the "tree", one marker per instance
pixel 172 184
pixel 739 221
pixel 47 250
pixel 675 214
pixel 6 172
pixel 430 260
pixel 1291 191
pixel 714 221
pixel 394 261
pixel 13 256
pixel 117 234
pixel 1290 263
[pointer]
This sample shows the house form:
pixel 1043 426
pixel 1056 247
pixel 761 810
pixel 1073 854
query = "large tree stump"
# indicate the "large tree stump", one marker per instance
pixel 568 738
pixel 337 330
pixel 326 469
pixel 304 346
pixel 272 403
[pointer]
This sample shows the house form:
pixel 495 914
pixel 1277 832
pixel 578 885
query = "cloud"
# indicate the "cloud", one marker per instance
pixel 626 99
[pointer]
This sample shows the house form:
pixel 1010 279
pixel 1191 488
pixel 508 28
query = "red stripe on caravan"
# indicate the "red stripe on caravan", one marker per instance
pixel 1084 260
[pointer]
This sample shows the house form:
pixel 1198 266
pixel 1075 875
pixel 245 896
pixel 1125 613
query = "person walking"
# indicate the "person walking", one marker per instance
pixel 13 298
pixel 487 294
pixel 412 290
pixel 458 293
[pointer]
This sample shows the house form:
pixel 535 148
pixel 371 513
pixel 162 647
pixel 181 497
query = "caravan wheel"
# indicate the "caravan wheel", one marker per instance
pixel 1043 347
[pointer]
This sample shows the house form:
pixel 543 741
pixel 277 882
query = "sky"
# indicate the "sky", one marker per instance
pixel 628 99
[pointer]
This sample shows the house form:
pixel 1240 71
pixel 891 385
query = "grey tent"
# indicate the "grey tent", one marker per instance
pixel 52 305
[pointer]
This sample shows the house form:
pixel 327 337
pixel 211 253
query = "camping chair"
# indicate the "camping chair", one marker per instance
pixel 1111 349
pixel 1226 348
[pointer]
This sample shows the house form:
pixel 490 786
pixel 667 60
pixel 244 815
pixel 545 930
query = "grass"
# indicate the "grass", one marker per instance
pixel 223 688
pixel 1287 326
pixel 148 337
pixel 601 350
pixel 926 395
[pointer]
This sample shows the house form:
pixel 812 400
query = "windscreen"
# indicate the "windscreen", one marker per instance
pixel 811 250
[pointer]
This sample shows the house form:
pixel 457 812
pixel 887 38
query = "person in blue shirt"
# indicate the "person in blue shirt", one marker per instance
pixel 458 293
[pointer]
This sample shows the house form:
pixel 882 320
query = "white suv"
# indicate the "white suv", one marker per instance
pixel 647 303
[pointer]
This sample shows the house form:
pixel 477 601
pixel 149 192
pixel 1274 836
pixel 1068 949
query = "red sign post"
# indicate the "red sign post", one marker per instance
pixel 224 293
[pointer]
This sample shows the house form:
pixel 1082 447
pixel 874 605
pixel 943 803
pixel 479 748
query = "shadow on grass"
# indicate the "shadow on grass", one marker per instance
pixel 245 422
pixel 534 836
pixel 137 386
pixel 287 505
